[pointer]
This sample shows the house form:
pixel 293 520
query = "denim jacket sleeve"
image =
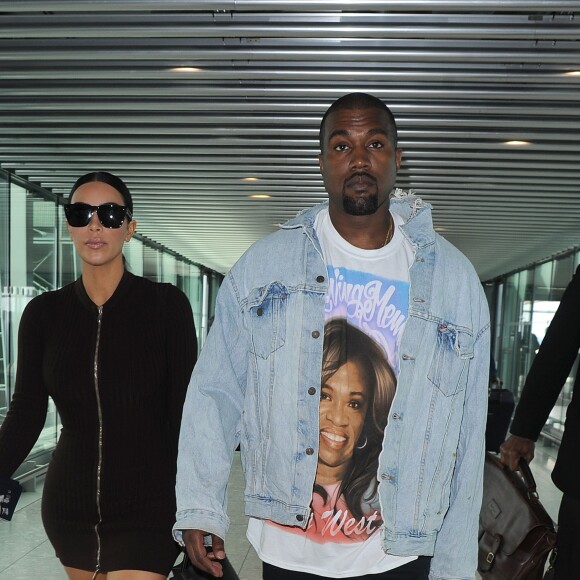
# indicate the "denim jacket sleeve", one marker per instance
pixel 455 555
pixel 211 418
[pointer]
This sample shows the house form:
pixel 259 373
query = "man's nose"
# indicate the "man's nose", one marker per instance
pixel 359 158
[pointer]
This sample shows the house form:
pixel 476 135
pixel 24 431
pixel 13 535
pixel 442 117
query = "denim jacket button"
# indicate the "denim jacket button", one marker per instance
pixel 315 334
pixel 260 311
pixel 299 518
pixel 312 391
pixel 320 279
pixel 309 451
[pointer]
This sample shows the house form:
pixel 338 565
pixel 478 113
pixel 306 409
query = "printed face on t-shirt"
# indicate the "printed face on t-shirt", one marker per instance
pixel 344 400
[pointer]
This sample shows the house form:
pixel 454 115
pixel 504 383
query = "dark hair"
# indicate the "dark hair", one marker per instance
pixel 109 179
pixel 360 101
pixel 344 342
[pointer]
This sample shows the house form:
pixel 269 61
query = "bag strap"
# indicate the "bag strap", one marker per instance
pixel 528 479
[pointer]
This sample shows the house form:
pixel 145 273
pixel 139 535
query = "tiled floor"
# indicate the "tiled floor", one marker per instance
pixel 26 554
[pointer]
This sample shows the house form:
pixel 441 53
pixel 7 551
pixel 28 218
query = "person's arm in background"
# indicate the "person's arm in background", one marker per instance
pixel 210 432
pixel 547 376
pixel 455 554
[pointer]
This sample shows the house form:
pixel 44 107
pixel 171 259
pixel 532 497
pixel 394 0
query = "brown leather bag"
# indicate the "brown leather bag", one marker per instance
pixel 516 534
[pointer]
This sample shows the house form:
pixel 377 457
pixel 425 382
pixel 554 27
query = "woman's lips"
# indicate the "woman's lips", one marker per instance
pixel 94 243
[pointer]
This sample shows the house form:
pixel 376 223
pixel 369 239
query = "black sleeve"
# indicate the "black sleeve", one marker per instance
pixel 551 365
pixel 27 413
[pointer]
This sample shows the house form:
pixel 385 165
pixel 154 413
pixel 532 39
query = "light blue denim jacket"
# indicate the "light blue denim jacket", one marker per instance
pixel 257 383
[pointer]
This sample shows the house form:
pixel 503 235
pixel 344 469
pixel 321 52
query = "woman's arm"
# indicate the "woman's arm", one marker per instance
pixel 27 412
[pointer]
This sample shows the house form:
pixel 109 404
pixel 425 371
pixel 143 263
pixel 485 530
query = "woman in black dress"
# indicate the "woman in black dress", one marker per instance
pixel 115 352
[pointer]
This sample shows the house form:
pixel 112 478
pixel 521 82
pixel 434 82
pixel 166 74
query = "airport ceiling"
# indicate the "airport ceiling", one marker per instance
pixel 200 105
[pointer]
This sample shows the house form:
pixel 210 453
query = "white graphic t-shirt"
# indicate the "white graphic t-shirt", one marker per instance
pixel 365 311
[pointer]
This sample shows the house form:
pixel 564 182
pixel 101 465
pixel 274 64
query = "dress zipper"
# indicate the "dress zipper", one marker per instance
pixel 100 444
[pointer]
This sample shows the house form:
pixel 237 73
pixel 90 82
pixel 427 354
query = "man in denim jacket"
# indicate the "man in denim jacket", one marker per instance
pixel 369 266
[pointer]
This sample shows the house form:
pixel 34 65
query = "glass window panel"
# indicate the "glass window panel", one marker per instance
pixel 195 296
pixel 496 315
pixel 544 305
pixel 133 252
pixel 527 343
pixel 70 263
pixel 509 336
pixel 5 297
pixel 182 276
pixel 151 264
pixel 563 270
pixel 215 280
pixel 543 280
pixel 169 268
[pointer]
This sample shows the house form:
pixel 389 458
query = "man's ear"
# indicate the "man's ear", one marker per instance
pixel 398 157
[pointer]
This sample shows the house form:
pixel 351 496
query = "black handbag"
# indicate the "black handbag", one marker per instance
pixel 185 570
pixel 516 534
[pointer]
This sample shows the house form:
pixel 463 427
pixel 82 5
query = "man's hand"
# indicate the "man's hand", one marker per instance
pixel 515 447
pixel 205 559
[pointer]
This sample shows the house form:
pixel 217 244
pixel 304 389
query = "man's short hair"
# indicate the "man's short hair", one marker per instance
pixel 360 101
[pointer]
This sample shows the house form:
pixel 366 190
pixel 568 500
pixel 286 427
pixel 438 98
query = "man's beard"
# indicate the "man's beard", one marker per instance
pixel 367 205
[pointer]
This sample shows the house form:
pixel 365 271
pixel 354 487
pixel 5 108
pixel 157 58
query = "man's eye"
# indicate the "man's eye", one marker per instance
pixel 376 145
pixel 341 147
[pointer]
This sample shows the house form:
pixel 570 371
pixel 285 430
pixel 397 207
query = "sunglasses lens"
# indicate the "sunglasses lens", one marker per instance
pixel 111 215
pixel 78 215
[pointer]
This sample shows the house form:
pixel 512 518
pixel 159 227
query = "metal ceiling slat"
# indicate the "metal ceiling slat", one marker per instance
pixel 323 92
pixel 471 53
pixel 276 31
pixel 25 6
pixel 544 80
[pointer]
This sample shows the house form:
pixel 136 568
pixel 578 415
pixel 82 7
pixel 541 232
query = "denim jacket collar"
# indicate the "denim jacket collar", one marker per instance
pixel 418 226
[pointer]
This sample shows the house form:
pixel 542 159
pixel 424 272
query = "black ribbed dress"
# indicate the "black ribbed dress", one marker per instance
pixel 118 382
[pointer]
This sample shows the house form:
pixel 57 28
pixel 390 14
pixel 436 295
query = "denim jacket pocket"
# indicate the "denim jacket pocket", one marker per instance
pixel 453 350
pixel 267 313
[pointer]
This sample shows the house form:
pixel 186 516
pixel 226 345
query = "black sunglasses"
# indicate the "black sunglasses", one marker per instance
pixel 111 215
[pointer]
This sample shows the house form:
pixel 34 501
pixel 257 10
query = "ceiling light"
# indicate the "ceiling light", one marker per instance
pixel 186 69
pixel 515 142
pixel 260 196
pixel 250 179
pixel 572 73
